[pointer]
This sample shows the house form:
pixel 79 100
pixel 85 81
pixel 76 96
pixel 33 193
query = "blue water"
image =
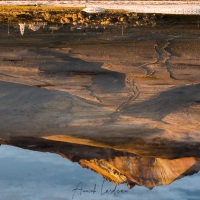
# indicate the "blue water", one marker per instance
pixel 31 175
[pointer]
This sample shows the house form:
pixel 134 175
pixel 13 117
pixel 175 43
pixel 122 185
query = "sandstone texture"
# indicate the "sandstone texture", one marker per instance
pixel 135 91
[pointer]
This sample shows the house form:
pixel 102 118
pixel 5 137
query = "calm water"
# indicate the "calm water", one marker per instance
pixel 34 175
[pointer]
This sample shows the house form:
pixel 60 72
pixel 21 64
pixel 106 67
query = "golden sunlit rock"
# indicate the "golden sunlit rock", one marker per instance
pixel 116 92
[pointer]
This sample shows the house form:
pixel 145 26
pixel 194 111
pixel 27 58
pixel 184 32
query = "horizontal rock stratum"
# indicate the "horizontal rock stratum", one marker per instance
pixel 161 7
pixel 117 167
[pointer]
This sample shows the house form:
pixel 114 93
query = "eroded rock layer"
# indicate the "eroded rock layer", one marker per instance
pixel 118 167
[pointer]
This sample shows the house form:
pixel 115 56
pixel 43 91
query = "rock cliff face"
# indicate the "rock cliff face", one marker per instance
pixel 106 89
pixel 118 167
pixel 144 171
pixel 131 99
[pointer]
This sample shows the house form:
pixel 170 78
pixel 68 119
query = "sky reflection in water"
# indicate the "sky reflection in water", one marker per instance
pixel 33 175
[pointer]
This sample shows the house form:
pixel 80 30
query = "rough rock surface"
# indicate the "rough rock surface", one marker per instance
pixel 142 85
pixel 118 167
pixel 138 92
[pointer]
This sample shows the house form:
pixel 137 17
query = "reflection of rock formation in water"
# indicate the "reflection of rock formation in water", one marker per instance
pixel 22 28
pixel 55 27
pixel 115 166
pixel 34 26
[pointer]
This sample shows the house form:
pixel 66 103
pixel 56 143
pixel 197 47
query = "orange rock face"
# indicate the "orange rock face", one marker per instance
pixel 118 167
pixel 123 102
pixel 144 171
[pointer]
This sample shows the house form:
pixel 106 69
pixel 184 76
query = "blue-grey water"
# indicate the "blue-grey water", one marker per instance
pixel 31 175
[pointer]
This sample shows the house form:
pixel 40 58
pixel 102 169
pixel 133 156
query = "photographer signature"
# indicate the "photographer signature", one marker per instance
pixel 80 190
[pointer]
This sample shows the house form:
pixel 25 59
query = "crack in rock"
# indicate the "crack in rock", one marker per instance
pixel 134 90
pixel 164 56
